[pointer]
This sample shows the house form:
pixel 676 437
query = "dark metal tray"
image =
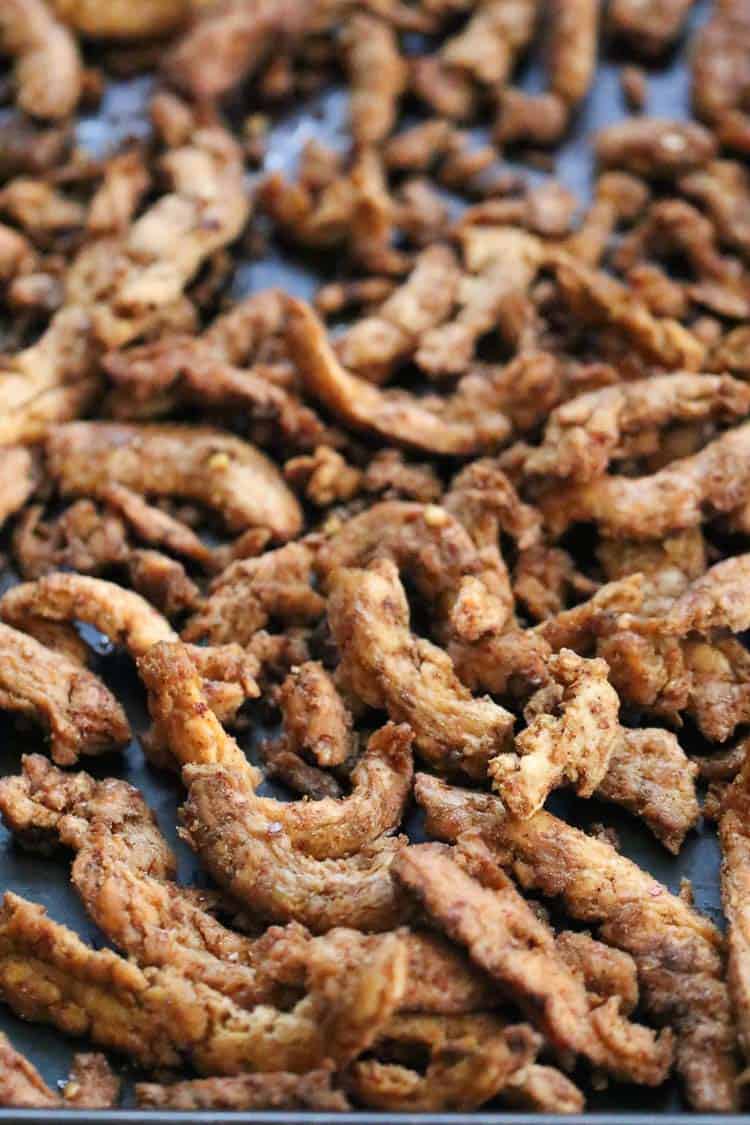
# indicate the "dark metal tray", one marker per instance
pixel 47 880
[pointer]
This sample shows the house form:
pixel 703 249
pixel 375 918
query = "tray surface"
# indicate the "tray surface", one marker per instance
pixel 122 114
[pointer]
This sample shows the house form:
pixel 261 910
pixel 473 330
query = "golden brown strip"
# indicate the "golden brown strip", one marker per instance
pixel 51 381
pixel 280 882
pixel 385 665
pixel 678 952
pixel 503 935
pixel 129 283
pixel 49 608
pixel 48 67
pixel 572 732
pixel 316 720
pixel 326 829
pixel 92 1083
pixel 471 1060
pixel 248 841
pixel 122 871
pixel 735 887
pixel 250 594
pixel 18 479
pixel 434 546
pixel 47 974
pixel 21 1084
pixel 377 343
pixel 582 436
pixel 310 1091
pixel 190 462
pixel 650 775
pixel 679 496
pixel 79 711
pixel 457 425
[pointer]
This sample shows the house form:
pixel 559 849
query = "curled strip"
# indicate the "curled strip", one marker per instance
pixel 385 665
pixel 431 545
pixel 442 980
pixel 277 880
pixel 376 344
pixel 470 1062
pixel 325 829
pixel 129 283
pixel 123 616
pixel 50 381
pixel 455 425
pixel 331 828
pixel 289 861
pixel 655 661
pixel 122 873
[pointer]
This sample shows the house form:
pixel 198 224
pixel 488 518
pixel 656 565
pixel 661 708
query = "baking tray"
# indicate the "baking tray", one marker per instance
pixel 122 114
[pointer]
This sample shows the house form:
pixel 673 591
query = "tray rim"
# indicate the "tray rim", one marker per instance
pixel 366 1117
